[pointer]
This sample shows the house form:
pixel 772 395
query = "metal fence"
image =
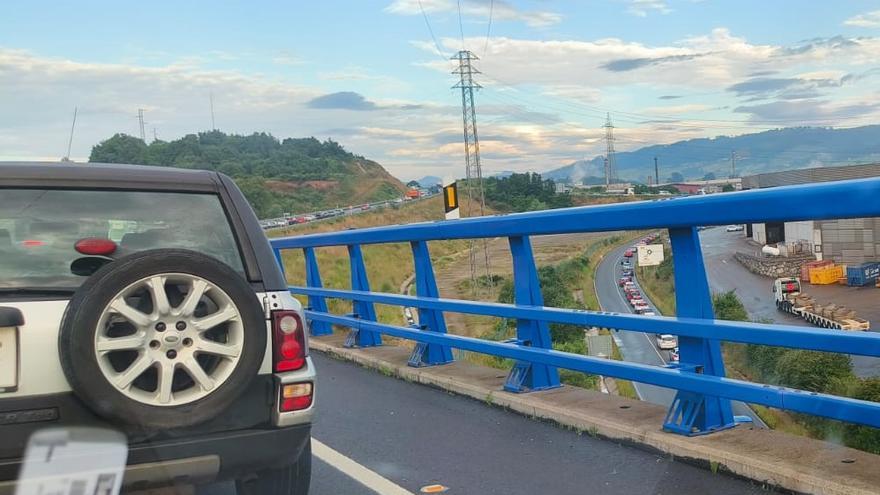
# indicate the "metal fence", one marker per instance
pixel 702 401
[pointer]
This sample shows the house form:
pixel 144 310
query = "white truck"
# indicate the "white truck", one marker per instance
pixel 789 299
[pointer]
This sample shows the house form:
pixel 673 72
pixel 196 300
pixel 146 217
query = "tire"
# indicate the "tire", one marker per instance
pixel 86 371
pixel 293 479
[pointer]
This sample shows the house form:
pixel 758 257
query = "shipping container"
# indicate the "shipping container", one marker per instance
pixel 826 275
pixel 806 267
pixel 864 274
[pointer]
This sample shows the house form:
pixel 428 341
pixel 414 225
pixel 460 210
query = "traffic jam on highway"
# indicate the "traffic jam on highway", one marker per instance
pixel 288 220
pixel 639 303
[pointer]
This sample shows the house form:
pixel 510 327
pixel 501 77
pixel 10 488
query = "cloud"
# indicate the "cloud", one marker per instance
pixel 641 8
pixel 626 64
pixel 811 112
pixel 287 58
pixel 671 97
pixel 343 100
pixel 866 20
pixel 479 9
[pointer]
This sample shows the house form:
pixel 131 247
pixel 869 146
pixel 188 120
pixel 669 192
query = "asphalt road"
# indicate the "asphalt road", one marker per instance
pixel 414 435
pixel 725 274
pixel 637 346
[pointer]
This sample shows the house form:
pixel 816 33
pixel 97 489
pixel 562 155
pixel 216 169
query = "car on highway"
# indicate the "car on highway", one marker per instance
pixel 734 228
pixel 623 280
pixel 649 313
pixel 667 342
pixel 673 355
pixel 147 301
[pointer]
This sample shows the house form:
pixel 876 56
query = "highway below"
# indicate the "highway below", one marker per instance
pixel 637 346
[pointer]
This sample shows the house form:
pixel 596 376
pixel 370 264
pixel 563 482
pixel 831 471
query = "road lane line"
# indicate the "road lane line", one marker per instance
pixel 355 471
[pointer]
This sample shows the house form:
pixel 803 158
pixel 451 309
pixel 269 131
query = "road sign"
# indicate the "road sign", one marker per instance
pixel 650 255
pixel 450 201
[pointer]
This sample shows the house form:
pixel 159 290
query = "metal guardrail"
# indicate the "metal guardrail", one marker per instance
pixel 702 402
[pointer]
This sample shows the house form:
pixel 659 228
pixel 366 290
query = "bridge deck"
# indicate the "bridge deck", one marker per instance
pixel 434 426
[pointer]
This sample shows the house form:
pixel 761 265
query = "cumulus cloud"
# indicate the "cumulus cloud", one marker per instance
pixel 479 9
pixel 626 64
pixel 866 20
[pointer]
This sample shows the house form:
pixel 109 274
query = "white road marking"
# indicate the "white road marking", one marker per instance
pixel 355 471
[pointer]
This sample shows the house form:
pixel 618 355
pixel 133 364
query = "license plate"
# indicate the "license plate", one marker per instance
pixel 8 359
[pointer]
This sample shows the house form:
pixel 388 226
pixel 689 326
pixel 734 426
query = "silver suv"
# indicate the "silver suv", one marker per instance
pixel 147 300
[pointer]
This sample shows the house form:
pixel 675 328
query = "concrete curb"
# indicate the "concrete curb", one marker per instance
pixel 776 459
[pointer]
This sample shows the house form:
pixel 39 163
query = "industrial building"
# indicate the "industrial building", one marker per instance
pixel 847 241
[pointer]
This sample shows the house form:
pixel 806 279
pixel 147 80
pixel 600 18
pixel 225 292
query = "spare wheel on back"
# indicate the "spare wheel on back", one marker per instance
pixel 164 338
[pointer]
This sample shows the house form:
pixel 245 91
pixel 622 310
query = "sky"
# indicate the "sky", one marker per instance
pixel 376 76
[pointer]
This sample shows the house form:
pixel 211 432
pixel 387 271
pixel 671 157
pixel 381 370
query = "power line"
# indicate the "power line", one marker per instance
pixel 431 31
pixel 489 27
pixel 460 25
pixel 70 139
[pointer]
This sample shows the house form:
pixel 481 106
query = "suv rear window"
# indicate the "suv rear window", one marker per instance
pixel 39 227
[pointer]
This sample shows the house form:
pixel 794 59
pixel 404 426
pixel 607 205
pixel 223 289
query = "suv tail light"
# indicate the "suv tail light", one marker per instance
pixel 295 397
pixel 288 341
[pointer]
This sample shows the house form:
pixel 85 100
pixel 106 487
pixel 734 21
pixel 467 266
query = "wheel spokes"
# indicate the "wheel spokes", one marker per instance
pixel 225 314
pixel 166 380
pixel 156 286
pixel 133 315
pixel 205 346
pixel 197 373
pixel 134 370
pixel 188 306
pixel 108 344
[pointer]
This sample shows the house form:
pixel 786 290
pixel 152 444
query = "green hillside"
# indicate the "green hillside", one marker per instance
pixel 277 176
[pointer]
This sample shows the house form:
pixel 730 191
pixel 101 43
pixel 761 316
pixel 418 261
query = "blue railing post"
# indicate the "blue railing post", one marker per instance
pixel 527 376
pixel 363 310
pixel 693 413
pixel 429 319
pixel 277 252
pixel 316 303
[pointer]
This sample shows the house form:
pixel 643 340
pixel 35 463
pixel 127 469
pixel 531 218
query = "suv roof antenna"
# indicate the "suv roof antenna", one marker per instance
pixel 70 139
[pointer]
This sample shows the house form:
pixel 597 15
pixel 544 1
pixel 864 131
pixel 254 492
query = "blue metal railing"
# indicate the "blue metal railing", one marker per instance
pixel 702 401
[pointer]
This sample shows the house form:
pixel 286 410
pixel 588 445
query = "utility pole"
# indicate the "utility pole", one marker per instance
pixel 155 135
pixel 610 171
pixel 141 124
pixel 732 164
pixel 656 172
pixel 473 171
pixel 70 139
pixel 211 98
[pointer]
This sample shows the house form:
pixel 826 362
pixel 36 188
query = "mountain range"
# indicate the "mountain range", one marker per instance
pixel 768 151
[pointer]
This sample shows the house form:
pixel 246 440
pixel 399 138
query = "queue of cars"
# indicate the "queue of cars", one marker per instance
pixel 288 220
pixel 635 299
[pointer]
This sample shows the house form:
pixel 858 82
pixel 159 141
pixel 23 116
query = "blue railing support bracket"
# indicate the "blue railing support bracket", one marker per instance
pixel 526 376
pixel 692 413
pixel 316 303
pixel 429 319
pixel 364 310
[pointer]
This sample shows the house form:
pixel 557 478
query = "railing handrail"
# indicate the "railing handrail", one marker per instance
pixel 830 200
pixel 858 343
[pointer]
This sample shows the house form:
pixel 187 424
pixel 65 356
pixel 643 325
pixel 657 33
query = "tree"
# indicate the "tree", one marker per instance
pixel 121 148
pixel 413 183
pixel 709 176
pixel 729 307
pixel 727 188
pixel 676 177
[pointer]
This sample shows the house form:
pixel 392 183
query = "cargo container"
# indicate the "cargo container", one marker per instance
pixel 864 274
pixel 806 267
pixel 826 274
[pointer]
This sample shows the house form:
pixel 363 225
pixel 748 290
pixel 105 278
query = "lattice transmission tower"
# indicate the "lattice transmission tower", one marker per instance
pixel 476 204
pixel 610 166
